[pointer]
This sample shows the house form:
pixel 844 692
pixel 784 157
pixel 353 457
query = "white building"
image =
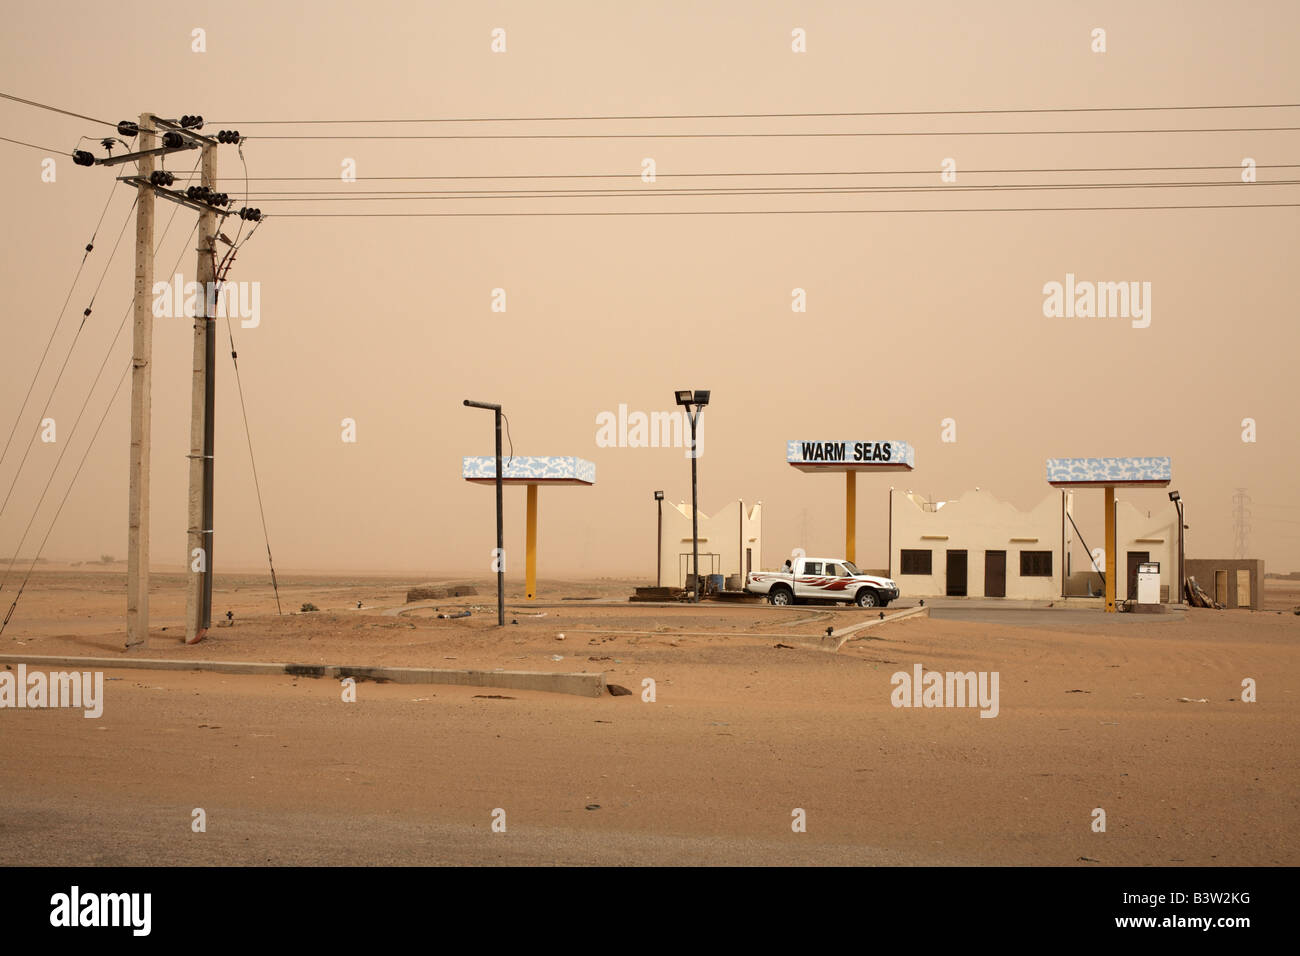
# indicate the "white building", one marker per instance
pixel 731 541
pixel 979 546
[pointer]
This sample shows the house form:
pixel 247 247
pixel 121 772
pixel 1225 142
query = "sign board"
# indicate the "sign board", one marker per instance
pixel 849 455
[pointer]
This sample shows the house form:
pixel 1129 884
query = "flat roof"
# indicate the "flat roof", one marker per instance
pixel 529 470
pixel 1103 472
pixel 850 455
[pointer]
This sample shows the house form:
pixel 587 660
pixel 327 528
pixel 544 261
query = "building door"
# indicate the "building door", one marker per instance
pixel 956 574
pixel 749 560
pixel 1243 589
pixel 1134 559
pixel 1221 587
pixel 995 574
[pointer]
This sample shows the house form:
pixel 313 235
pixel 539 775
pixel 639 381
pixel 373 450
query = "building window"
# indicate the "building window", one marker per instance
pixel 915 562
pixel 1035 564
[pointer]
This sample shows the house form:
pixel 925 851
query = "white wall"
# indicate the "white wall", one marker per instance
pixel 727 533
pixel 976 522
pixel 1160 532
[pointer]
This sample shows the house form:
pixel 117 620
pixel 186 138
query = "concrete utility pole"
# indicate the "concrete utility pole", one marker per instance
pixel 137 536
pixel 198 603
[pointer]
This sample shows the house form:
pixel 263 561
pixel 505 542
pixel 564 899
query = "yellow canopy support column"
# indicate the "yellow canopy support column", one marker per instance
pixel 530 559
pixel 850 516
pixel 1112 565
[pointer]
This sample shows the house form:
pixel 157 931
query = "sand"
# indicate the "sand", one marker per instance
pixel 741 734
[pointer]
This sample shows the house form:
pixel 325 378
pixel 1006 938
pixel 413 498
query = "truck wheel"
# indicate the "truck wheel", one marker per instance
pixel 781 596
pixel 868 598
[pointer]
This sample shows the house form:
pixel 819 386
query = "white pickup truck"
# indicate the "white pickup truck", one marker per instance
pixel 822 579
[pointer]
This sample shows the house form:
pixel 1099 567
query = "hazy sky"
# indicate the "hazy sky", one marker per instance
pixel 912 317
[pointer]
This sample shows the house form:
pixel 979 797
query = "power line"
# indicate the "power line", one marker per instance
pixel 413 195
pixel 55 109
pixel 62 368
pixel 818 135
pixel 257 484
pixel 64 501
pixel 43 149
pixel 802 115
pixel 57 322
pixel 769 212
pixel 670 175
pixel 68 441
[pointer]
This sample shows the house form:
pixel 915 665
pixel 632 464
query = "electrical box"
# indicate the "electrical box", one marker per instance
pixel 1149 582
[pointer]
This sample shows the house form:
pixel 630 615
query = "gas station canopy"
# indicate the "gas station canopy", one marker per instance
pixel 1112 472
pixel 522 470
pixel 533 472
pixel 850 455
pixel 1109 474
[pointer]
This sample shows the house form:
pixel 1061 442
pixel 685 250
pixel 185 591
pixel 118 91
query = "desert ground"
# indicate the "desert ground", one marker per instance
pixel 748 724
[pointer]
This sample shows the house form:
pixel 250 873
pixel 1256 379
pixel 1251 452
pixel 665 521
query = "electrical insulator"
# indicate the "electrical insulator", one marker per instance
pixel 192 122
pixel 83 158
pixel 228 136
pixel 127 130
pixel 251 214
pixel 160 177
pixel 173 140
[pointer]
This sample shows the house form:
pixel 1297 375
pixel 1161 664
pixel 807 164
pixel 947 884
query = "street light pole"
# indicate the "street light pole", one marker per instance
pixel 694 403
pixel 501 552
pixel 1177 499
pixel 695 513
pixel 659 546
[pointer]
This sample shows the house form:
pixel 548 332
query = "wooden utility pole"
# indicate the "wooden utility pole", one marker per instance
pixel 137 536
pixel 198 603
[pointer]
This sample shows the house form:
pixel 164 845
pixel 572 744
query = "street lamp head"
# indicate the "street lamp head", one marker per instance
pixel 1174 496
pixel 684 397
pixel 659 496
pixel 702 396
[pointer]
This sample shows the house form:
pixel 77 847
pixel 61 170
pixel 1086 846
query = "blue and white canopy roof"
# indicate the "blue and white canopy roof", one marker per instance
pixel 1100 472
pixel 526 470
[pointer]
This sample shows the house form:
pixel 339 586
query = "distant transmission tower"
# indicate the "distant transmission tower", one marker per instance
pixel 1240 523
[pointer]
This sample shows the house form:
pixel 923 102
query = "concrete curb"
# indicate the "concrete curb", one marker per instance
pixel 582 685
pixel 838 638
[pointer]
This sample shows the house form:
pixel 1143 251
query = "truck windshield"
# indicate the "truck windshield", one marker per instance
pixel 851 568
